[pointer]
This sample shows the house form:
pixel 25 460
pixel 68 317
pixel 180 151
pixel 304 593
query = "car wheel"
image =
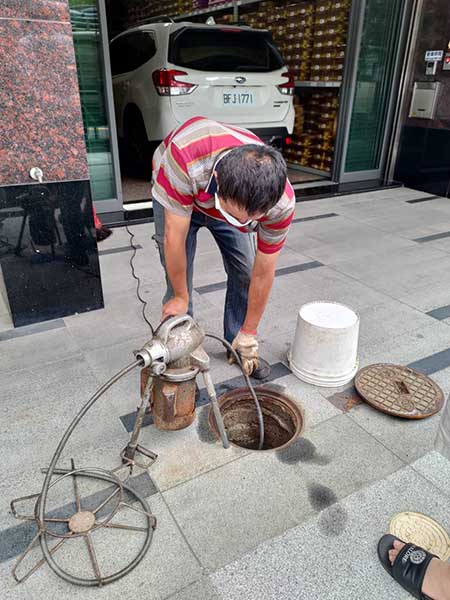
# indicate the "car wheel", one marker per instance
pixel 139 149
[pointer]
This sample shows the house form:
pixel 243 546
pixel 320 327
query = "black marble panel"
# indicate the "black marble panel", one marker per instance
pixel 48 251
pixel 423 159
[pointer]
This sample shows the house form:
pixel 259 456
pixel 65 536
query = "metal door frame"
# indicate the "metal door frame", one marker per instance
pixel 348 92
pixel 404 91
pixel 110 205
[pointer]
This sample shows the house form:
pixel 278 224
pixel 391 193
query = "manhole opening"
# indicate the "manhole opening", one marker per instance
pixel 283 419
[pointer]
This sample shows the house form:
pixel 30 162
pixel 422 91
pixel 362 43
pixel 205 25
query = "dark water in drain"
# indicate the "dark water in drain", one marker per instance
pixel 242 425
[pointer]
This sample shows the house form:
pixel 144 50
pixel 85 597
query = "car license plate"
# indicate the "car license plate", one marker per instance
pixel 238 97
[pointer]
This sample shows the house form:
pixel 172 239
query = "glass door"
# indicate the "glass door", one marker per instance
pixel 91 52
pixel 373 83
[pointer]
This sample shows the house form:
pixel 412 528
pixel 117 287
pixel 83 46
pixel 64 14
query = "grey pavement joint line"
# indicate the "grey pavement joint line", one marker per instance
pixel 15 539
pixel 119 250
pixel 432 238
pixel 277 371
pixel 177 525
pixel 424 199
pixel 441 313
pixel 214 287
pixel 433 363
pixel 10 334
pixel 315 217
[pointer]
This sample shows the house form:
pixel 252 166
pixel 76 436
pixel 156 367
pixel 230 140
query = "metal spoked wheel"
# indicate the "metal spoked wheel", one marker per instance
pixel 88 519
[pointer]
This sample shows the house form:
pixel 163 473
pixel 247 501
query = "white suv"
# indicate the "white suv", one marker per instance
pixel 166 73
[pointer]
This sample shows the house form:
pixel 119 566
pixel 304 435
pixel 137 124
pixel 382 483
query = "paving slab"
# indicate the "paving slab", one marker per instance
pixel 436 468
pixel 333 556
pixel 226 512
pixel 21 352
pixel 399 272
pixel 367 240
pixel 186 454
pixel 406 217
pixel 316 408
pixel 406 348
pixel 121 320
pixel 389 318
pixel 200 590
pixel 426 298
pixel 407 439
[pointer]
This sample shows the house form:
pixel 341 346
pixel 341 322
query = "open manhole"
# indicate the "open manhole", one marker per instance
pixel 283 419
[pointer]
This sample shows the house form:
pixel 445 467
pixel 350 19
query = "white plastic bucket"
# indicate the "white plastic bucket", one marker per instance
pixel 325 347
pixel 443 437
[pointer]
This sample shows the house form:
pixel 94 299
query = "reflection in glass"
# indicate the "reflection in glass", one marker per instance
pixel 374 84
pixel 89 58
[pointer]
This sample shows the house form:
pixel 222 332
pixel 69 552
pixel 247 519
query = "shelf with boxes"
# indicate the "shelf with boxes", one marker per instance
pixel 312 37
pixel 184 9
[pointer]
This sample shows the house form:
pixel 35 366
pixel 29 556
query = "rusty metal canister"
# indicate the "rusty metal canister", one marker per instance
pixel 172 404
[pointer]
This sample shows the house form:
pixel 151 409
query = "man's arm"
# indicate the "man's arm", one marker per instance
pixel 261 282
pixel 260 286
pixel 176 229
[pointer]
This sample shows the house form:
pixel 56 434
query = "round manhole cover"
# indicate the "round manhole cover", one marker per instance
pixel 418 529
pixel 283 418
pixel 399 391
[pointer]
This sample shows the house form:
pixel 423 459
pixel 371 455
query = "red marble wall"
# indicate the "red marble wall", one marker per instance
pixel 41 123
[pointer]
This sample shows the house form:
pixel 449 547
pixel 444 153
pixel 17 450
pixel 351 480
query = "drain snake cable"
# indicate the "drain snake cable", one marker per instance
pixel 56 456
pixel 224 342
pixel 89 404
pixel 251 389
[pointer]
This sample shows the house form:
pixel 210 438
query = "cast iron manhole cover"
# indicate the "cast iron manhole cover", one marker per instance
pixel 399 391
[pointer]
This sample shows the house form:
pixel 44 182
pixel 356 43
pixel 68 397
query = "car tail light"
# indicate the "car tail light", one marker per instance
pixel 166 83
pixel 288 141
pixel 289 86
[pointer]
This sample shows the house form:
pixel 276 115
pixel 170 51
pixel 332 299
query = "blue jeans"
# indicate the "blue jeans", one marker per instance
pixel 238 255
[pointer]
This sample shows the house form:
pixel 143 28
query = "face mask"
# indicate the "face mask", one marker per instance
pixel 231 220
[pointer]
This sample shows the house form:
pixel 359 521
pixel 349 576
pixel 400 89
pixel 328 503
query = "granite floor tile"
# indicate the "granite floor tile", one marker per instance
pixel 186 454
pixel 316 470
pixel 435 468
pixel 37 349
pixel 200 590
pixel 407 439
pixel 120 321
pixel 407 348
pixel 390 318
pixel 333 556
pixel 316 408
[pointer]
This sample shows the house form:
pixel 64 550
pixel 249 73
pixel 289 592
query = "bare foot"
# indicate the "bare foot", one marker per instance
pixel 436 584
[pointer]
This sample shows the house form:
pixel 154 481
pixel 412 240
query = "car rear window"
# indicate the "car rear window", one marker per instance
pixel 224 50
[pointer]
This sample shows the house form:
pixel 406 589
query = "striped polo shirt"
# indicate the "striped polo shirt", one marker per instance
pixel 183 181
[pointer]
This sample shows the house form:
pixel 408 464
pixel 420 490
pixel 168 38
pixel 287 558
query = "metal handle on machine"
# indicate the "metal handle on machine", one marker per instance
pixel 170 323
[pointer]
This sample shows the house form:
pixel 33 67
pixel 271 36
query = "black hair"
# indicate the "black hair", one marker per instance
pixel 253 177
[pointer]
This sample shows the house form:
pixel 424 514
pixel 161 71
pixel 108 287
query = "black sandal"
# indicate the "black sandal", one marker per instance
pixel 409 567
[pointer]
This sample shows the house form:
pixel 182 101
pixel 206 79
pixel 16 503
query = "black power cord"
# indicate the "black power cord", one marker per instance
pixel 138 287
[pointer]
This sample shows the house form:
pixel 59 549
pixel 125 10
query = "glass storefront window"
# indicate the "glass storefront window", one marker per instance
pixel 374 84
pixel 91 78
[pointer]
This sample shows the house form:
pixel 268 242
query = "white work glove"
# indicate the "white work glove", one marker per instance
pixel 246 345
